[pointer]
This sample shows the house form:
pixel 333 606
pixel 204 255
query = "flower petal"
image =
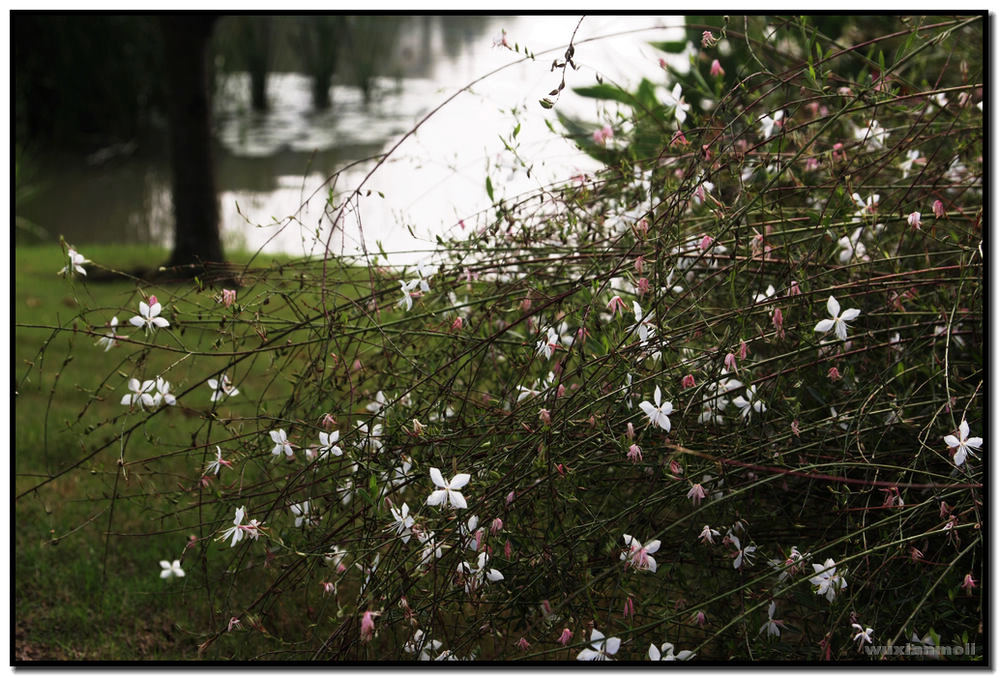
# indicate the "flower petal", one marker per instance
pixel 824 325
pixel 456 499
pixel 437 497
pixel 459 481
pixel 437 478
pixel 850 314
pixel 833 307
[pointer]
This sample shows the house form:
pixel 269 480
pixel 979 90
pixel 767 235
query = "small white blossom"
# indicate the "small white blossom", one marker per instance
pixel 171 569
pixel 864 635
pixel 827 581
pixel 666 653
pixel 328 444
pixel 140 393
pixel 767 124
pixel 149 315
pixel 448 494
pixel 639 556
pixel 110 340
pixel 402 522
pixel 601 648
pixel 750 404
pixel 222 388
pixel 281 443
pixel 838 321
pixel 963 445
pixel 75 265
pixel 658 413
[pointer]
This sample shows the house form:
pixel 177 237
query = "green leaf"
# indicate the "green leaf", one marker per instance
pixel 671 46
pixel 489 188
pixel 546 103
pixel 606 92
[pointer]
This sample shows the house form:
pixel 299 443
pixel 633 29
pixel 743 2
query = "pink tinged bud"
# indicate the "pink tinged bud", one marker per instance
pixel 228 297
pixel 368 625
pixel 457 323
pixel 616 304
pixel 561 391
pixel 546 607
pixel 914 219
pixel 838 152
pixel 675 468
pixel 915 553
pixel 678 139
pixel 730 362
pixel 706 242
pixel 234 623
pixel 662 63
pixel 341 568
pixel 795 427
pixel 630 431
pixel 510 498
pixel 716 70
pixel 480 538
pixel 152 299
pixel 634 453
pixel 523 643
pixel 794 289
pixel 328 587
pixel 545 417
pixel 642 286
pixel 526 304
pixel 496 526
pixel 507 550
pixel 566 634
pixel 778 321
pixel 356 366
pixel 944 510
pixel 687 381
pixel 706 154
pixel 629 610
pixel 938 209
pixel 639 264
pixel 833 374
pixel 969 583
pixel 642 226
pixel 699 618
pixel 812 164
pixel 707 39
pixel 743 350
pixel 598 137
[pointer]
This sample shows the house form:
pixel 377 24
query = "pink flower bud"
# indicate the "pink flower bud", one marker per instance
pixel 678 139
pixel 812 164
pixel 663 63
pixel 699 618
pixel 634 453
pixel 708 39
pixel 496 526
pixel 914 219
pixel 544 415
pixel 969 583
pixel 743 350
pixel 234 623
pixel 795 427
pixel 639 264
pixel 794 289
pixel 696 493
pixel 565 637
pixel 523 643
pixel 228 297
pixel 716 70
pixel 675 468
pixel 730 362
pixel 778 321
pixel 456 323
pixel 510 498
pixel 642 227
pixel 642 286
pixel 630 431
pixel 560 391
pixel 152 299
pixel 838 152
pixel 328 587
pixel 938 209
pixel 687 381
pixel 629 610
pixel 616 304
pixel 368 625
pixel 833 374
pixel 526 304
pixel 507 550
pixel 706 242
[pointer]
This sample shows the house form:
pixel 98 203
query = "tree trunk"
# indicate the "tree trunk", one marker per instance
pixel 189 112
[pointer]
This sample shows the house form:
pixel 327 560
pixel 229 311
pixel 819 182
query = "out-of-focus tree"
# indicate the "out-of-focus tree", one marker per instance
pixel 320 39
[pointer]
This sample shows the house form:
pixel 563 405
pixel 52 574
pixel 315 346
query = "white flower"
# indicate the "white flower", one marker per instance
pixel 750 404
pixel 743 554
pixel 448 495
pixel 281 443
pixel 222 388
pixel 328 444
pixel 772 624
pixel 674 99
pixel 402 522
pixel 474 577
pixel 838 321
pixel 171 569
pixel 75 265
pixel 110 340
pixel 827 581
pixel 377 406
pixel 216 465
pixel 864 635
pixel 418 644
pixel 302 514
pixel 666 653
pixel 236 531
pixel 707 534
pixel 600 648
pixel 638 556
pixel 851 247
pixel 372 438
pixel 767 124
pixel 873 135
pixel 431 548
pixel 907 165
pixel 865 207
pixel 406 288
pixel 963 445
pixel 467 533
pixel 140 393
pixel 658 413
pixel 163 394
pixel 645 330
pixel 546 346
pixel 149 315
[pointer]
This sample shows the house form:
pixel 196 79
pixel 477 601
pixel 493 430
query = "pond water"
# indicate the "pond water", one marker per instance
pixel 272 168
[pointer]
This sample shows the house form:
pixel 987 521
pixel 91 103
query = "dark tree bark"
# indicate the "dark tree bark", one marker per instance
pixel 189 113
pixel 255 47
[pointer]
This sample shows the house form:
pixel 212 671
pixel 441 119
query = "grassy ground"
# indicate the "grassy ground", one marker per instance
pixel 87 588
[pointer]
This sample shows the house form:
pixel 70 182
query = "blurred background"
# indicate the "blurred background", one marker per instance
pixel 294 99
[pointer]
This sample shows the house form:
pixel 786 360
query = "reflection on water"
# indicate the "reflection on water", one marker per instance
pixel 269 164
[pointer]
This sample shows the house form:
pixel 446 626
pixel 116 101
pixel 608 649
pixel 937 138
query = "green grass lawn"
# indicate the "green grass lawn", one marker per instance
pixel 87 585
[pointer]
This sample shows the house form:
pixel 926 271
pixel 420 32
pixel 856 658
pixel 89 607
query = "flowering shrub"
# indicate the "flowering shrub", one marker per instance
pixel 443 463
